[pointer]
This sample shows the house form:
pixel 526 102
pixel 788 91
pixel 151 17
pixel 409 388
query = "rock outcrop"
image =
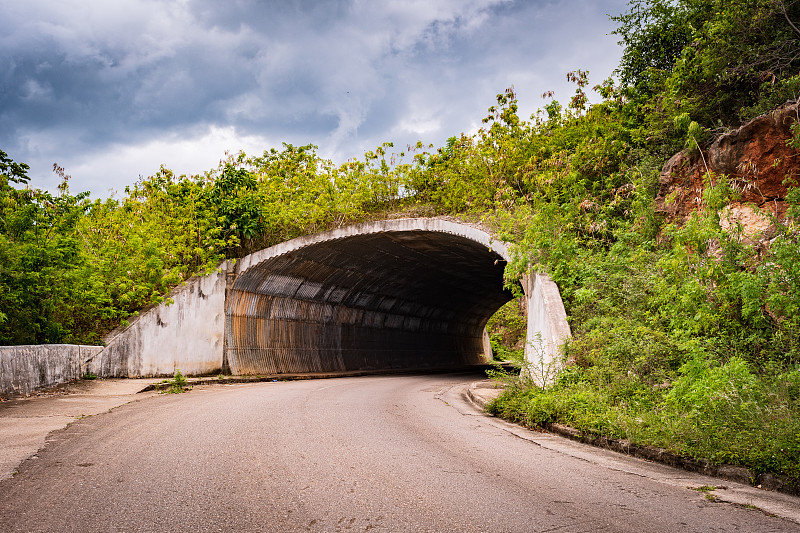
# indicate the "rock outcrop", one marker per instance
pixel 757 160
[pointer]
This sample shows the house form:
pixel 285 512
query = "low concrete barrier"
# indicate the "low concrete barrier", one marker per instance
pixel 26 368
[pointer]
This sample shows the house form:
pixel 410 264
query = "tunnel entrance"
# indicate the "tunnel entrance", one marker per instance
pixel 412 293
pixel 390 294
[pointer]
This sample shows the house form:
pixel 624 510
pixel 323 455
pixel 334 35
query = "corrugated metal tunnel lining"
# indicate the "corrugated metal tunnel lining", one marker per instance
pixel 393 299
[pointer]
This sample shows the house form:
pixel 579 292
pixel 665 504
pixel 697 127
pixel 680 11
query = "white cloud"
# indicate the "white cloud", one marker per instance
pixel 120 165
pixel 420 126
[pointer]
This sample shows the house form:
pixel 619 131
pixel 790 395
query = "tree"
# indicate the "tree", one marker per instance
pixel 42 267
pixel 720 61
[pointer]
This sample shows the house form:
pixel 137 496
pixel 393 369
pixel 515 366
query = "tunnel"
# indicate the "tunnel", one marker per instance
pixel 412 293
pixel 394 294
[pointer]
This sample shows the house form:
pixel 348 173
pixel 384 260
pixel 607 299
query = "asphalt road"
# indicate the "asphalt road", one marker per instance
pixel 389 453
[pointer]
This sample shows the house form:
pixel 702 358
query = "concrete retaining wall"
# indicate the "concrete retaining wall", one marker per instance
pixel 24 369
pixel 186 335
pixel 548 328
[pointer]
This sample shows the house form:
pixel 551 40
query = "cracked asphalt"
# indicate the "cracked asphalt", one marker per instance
pixel 380 453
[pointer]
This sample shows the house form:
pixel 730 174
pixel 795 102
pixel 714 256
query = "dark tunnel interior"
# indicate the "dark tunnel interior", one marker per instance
pixel 389 300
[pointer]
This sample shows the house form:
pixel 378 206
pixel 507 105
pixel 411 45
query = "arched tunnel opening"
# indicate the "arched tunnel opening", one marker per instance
pixel 398 299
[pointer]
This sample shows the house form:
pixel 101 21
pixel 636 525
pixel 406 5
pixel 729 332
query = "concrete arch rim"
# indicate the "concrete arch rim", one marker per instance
pixel 438 225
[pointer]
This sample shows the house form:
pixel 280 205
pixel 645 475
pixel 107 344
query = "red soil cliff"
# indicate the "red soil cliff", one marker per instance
pixel 755 157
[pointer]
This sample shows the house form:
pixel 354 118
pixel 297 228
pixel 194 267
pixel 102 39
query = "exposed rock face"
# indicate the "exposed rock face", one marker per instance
pixel 755 157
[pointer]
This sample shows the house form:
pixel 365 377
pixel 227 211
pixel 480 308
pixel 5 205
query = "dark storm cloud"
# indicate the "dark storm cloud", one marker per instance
pixel 112 89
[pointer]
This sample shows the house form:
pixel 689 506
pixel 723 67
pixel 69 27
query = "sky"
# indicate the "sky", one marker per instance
pixel 113 90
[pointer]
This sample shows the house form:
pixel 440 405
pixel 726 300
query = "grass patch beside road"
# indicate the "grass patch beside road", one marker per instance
pixel 722 413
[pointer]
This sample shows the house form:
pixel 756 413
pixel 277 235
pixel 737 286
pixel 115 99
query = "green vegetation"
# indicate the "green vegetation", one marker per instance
pixel 177 384
pixel 719 61
pixel 507 332
pixel 707 490
pixel 686 333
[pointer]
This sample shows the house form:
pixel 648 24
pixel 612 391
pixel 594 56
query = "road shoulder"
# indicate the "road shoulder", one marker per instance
pixel 715 489
pixel 26 422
